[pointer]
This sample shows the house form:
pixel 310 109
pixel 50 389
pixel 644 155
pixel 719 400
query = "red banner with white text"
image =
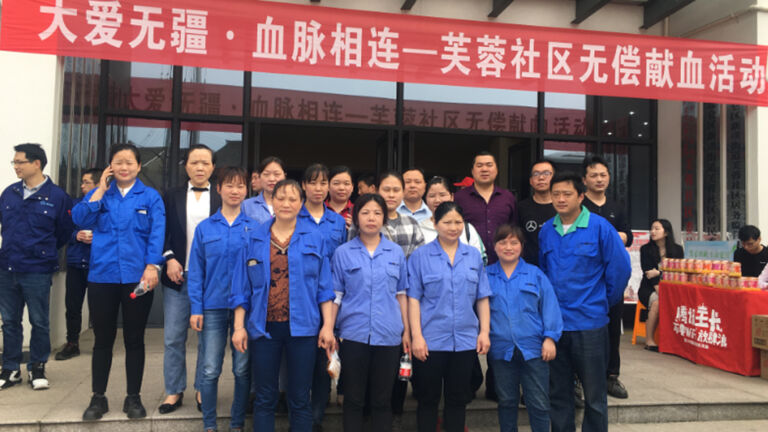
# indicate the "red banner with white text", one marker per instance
pixel 710 326
pixel 317 40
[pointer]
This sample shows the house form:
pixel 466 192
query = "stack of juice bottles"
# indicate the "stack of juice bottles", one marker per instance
pixel 719 274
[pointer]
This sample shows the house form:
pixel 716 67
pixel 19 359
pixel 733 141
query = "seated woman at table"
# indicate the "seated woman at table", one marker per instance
pixel 662 245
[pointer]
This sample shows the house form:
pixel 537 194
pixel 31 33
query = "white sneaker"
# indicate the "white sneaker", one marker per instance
pixel 9 378
pixel 37 378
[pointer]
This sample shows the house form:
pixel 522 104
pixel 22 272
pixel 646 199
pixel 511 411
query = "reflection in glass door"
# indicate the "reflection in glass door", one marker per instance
pixel 364 150
pixel 451 154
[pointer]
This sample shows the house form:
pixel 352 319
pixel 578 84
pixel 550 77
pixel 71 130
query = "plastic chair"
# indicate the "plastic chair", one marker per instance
pixel 638 329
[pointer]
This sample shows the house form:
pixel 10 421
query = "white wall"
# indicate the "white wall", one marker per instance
pixel 741 21
pixel 669 163
pixel 757 145
pixel 31 112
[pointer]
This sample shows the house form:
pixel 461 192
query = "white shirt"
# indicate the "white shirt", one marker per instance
pixel 197 211
pixel 124 191
pixel 762 280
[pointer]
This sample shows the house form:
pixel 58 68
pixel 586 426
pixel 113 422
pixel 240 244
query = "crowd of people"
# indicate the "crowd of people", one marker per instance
pixel 298 275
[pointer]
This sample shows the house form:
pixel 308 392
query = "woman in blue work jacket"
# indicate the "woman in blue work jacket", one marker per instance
pixel 333 228
pixel 215 247
pixel 446 283
pixel 128 223
pixel 370 279
pixel 278 281
pixel 525 324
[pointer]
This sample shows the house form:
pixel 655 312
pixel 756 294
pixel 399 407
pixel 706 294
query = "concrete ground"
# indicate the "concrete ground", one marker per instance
pixel 662 389
pixel 713 426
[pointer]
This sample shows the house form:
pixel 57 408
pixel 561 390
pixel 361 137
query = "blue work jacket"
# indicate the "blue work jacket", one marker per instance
pixel 256 209
pixel 524 311
pixel 447 295
pixel 34 228
pixel 78 253
pixel 368 286
pixel 332 226
pixel 588 267
pixel 309 277
pixel 214 252
pixel 128 232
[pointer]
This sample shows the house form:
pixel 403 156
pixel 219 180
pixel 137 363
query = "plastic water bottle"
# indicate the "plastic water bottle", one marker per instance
pixel 140 290
pixel 406 367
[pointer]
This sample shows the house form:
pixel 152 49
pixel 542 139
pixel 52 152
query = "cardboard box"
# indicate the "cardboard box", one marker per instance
pixel 764 364
pixel 760 331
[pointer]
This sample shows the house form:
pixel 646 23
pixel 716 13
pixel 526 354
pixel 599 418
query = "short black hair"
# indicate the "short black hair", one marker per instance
pixel 592 160
pixel 392 173
pixel 569 177
pixel 368 179
pixel 749 232
pixel 484 153
pixel 117 148
pixel 194 147
pixel 95 174
pixel 546 161
pixel 268 160
pixel 33 152
pixel 364 199
pixel 506 230
pixel 230 173
pixel 340 169
pixel 315 171
pixel 446 207
pixel 420 170
pixel 282 184
pixel 441 181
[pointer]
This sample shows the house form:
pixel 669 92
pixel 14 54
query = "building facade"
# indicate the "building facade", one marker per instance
pixel 695 164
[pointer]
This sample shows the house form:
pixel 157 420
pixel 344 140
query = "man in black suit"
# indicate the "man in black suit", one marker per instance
pixel 185 207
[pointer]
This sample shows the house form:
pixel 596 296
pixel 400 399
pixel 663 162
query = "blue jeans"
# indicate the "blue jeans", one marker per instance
pixel 585 353
pixel 16 290
pixel 265 358
pixel 217 328
pixel 321 387
pixel 534 376
pixel 175 326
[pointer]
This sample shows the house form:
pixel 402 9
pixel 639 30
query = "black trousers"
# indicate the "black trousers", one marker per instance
pixel 399 391
pixel 445 374
pixel 104 302
pixel 372 368
pixel 614 338
pixel 77 282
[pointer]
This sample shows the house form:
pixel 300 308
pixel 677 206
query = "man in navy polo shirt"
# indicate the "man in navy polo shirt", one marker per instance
pixel 36 222
pixel 584 258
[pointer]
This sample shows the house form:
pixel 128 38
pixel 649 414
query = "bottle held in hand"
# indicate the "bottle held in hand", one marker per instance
pixel 140 290
pixel 406 367
pixel 334 367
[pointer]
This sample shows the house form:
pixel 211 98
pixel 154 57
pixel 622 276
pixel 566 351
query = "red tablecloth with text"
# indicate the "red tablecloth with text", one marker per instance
pixel 710 326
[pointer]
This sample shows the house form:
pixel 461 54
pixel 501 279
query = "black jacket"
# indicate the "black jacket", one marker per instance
pixel 649 260
pixel 176 226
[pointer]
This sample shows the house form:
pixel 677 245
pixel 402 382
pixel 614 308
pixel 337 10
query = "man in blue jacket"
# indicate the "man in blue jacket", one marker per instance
pixel 36 222
pixel 78 256
pixel 584 258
